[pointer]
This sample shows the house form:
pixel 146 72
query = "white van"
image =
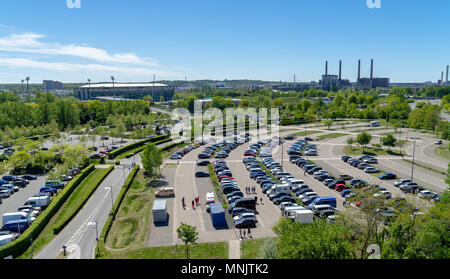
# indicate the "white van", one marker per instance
pixel 296 182
pixel 319 208
pixel 41 201
pixel 14 216
pixel 284 188
pixel 291 208
pixel 292 213
pixel 5 239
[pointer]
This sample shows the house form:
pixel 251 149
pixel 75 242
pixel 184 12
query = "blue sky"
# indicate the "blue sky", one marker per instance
pixel 217 39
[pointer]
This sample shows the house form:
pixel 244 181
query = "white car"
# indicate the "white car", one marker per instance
pixel 383 194
pixel 244 215
pixel 427 194
pixel 283 205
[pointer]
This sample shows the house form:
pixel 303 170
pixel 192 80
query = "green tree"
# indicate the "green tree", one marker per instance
pixel 188 234
pixel 350 142
pixel 328 123
pixel 151 159
pixel 318 240
pixel 389 140
pixel 363 139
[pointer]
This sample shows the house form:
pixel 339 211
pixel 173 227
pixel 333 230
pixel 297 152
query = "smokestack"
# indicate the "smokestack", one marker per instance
pixel 326 68
pixel 371 73
pixel 340 70
pixel 446 79
pixel 442 77
pixel 359 70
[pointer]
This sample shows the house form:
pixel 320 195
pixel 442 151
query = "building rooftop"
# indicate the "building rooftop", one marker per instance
pixel 122 85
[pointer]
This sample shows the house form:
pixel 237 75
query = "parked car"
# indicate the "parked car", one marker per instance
pixel 201 174
pixel 345 176
pixel 388 176
pixel 29 177
pixel 203 163
pixel 427 194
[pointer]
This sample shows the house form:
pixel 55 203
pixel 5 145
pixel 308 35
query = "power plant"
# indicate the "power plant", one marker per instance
pixel 334 82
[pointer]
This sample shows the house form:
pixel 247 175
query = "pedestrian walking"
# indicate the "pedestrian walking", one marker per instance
pixel 260 199
pixel 244 233
pixel 240 233
pixel 198 201
pixel 250 233
pixel 182 202
pixel 193 205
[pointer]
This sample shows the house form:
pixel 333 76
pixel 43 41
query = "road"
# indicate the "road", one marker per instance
pixel 80 233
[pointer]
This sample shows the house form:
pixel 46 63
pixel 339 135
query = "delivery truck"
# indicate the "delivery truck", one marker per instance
pixel 160 214
pixel 217 214
pixel 304 216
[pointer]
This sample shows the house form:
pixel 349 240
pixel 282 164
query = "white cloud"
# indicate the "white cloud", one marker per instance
pixel 72 67
pixel 30 43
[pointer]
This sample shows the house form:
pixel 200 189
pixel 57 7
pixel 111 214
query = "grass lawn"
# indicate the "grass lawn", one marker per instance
pixel 357 150
pixel 425 167
pixel 214 250
pixel 130 229
pixel 331 136
pixel 252 248
pixel 311 132
pixel 443 151
pixel 73 203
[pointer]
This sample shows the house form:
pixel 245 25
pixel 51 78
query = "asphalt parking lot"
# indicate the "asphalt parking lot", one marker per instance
pixel 16 200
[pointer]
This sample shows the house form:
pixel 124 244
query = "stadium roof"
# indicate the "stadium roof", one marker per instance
pixel 121 85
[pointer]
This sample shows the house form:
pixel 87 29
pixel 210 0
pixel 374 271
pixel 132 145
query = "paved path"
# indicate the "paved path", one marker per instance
pixel 234 249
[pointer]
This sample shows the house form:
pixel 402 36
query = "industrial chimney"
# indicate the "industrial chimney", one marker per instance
pixel 442 77
pixel 359 71
pixel 340 70
pixel 446 79
pixel 326 68
pixel 371 73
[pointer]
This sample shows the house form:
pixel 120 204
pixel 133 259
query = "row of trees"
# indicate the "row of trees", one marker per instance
pixel 410 236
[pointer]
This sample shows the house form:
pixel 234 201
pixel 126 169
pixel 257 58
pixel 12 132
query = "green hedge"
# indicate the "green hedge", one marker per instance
pixel 20 245
pixel 126 148
pixel 60 226
pixel 114 210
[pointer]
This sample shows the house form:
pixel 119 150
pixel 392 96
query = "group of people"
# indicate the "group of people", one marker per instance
pixel 250 190
pixel 242 233
pixel 195 202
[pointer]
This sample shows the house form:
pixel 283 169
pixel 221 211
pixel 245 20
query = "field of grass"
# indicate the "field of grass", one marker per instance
pixel 443 151
pixel 357 150
pixel 331 136
pixel 214 250
pixel 300 134
pixel 76 199
pixel 130 229
pixel 252 248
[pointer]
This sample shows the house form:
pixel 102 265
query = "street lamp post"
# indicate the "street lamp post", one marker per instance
pixel 89 90
pixel 414 154
pixel 114 93
pixel 28 88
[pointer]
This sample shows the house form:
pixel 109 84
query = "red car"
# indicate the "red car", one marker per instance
pixel 249 155
pixel 104 152
pixel 359 203
pixel 222 177
pixel 341 187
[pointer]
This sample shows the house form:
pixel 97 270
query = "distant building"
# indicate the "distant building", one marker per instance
pixel 52 85
pixel 126 91
pixel 329 82
pixel 376 82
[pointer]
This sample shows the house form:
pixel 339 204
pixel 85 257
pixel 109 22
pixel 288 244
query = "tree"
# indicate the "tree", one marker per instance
pixel 188 234
pixel 389 141
pixel 328 123
pixel 269 249
pixel 318 240
pixel 350 141
pixel 151 159
pixel 363 139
